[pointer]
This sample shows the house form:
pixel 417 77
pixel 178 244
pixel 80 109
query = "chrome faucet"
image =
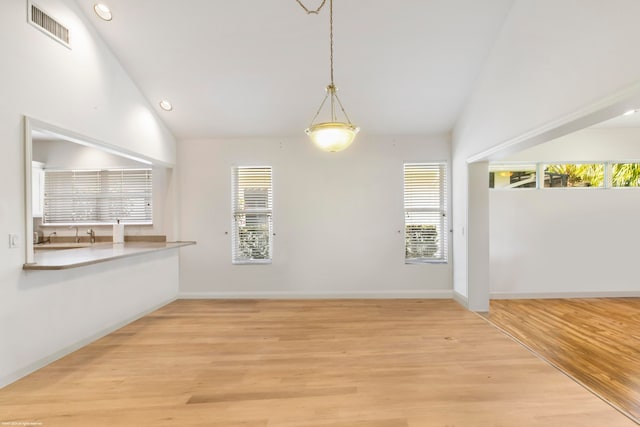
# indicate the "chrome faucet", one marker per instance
pixel 92 235
pixel 77 237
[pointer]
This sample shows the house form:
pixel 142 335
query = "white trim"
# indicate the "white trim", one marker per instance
pixel 41 363
pixel 461 299
pixel 549 295
pixel 28 190
pixel 426 294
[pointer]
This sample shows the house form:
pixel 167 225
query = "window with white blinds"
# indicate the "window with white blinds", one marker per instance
pixel 252 205
pixel 425 212
pixel 98 196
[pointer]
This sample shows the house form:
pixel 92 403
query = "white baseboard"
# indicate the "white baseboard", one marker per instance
pixel 461 299
pixel 549 295
pixel 41 363
pixel 427 294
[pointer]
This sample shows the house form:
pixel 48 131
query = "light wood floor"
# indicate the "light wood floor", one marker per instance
pixel 595 341
pixel 351 363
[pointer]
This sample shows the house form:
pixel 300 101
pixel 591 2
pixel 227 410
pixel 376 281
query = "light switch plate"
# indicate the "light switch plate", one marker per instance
pixel 13 241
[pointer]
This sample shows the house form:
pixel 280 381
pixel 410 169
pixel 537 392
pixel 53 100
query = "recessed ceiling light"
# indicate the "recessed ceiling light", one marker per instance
pixel 165 105
pixel 630 112
pixel 103 11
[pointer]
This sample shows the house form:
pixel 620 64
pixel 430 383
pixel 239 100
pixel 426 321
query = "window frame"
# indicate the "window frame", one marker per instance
pixel 609 174
pixel 236 211
pixel 540 173
pixel 441 210
pixel 102 214
pixel 605 168
pixel 500 167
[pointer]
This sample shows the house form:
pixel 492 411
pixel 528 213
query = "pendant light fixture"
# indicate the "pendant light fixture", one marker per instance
pixel 332 135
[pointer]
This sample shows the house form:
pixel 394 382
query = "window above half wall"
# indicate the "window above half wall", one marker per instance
pixel 609 174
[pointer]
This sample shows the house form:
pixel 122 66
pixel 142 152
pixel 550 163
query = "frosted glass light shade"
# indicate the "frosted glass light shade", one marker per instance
pixel 332 136
pixel 103 11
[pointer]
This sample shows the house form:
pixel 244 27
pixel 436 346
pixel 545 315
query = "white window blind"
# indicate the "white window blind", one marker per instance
pixel 252 205
pixel 98 196
pixel 425 212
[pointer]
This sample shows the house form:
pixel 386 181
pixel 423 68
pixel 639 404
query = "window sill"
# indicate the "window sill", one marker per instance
pixel 256 262
pixel 425 261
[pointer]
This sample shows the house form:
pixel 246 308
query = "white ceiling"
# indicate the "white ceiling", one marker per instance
pixel 250 67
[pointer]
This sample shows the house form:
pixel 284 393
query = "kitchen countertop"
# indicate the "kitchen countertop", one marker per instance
pixel 95 253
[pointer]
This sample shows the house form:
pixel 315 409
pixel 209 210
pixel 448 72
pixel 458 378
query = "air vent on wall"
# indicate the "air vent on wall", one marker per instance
pixel 45 23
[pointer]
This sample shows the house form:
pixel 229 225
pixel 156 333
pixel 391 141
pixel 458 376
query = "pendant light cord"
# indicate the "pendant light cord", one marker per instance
pixel 331 89
pixel 331 38
pixel 315 12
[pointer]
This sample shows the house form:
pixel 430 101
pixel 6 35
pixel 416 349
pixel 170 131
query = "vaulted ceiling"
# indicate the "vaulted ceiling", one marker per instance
pixel 259 67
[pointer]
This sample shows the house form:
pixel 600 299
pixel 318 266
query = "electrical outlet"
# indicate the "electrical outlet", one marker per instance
pixel 13 241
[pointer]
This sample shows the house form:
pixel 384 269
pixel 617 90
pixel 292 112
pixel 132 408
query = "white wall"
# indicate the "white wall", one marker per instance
pixel 87 91
pixel 554 61
pixel 56 312
pixel 564 242
pixel 337 219
pixel 568 242
pixel 478 237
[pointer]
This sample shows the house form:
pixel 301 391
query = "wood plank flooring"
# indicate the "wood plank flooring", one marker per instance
pixel 595 341
pixel 331 363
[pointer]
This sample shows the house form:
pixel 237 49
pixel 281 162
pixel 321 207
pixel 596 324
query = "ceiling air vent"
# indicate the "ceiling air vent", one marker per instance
pixel 45 23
